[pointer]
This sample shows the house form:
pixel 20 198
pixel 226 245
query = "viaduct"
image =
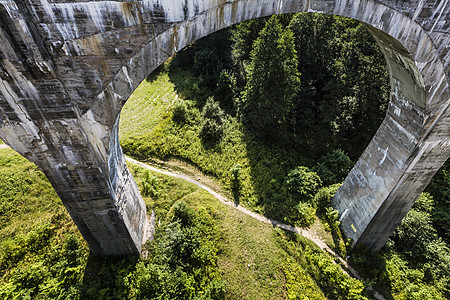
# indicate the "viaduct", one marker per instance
pixel 68 66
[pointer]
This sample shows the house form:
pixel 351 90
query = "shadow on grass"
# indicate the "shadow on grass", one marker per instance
pixel 104 276
pixel 269 165
pixel 154 75
pixel 373 268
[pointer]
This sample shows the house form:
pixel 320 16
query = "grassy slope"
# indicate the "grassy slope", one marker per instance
pixel 261 167
pixel 27 199
pixel 166 139
pixel 250 258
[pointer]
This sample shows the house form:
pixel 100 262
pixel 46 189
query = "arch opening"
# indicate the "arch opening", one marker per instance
pixel 409 93
pixel 78 135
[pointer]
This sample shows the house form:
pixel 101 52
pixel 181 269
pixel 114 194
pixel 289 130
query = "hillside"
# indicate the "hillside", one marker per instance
pixel 203 116
pixel 43 255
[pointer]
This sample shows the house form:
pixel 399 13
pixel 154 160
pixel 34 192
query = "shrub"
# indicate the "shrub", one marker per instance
pixel 302 184
pixel 324 196
pixel 183 213
pixel 333 167
pixel 213 121
pixel 236 174
pixel 306 214
pixel 150 186
pixel 179 111
pixel 211 131
pixel 226 89
pixel 424 203
pixel 332 217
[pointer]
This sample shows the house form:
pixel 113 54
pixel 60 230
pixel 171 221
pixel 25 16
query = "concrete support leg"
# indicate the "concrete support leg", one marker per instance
pixel 99 192
pixel 410 146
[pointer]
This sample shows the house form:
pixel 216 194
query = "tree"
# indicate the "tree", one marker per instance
pixel 439 187
pixel 333 167
pixel 213 121
pixel 345 84
pixel 273 81
pixel 243 36
pixel 302 184
pixel 226 89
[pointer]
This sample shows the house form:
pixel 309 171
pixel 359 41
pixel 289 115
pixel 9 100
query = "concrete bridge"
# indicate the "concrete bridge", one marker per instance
pixel 68 67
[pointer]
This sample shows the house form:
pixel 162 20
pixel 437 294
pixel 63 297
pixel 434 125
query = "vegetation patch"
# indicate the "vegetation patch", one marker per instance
pixel 201 250
pixel 278 110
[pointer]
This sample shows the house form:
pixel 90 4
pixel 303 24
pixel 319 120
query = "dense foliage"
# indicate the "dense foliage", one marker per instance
pixel 283 92
pixel 331 85
pixel 415 262
pixel 182 261
pixel 272 83
pixel 439 187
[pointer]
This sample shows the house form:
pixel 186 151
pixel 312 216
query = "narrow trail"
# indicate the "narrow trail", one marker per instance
pixel 303 232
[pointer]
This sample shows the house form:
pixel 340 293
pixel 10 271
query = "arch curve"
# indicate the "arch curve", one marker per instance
pixel 101 50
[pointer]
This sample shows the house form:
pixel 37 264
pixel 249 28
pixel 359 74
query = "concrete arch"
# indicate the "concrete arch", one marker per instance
pixel 112 46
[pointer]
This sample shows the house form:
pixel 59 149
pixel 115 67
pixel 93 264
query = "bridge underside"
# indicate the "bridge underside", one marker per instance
pixel 68 67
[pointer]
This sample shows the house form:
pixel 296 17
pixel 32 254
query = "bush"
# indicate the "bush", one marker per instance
pixel 424 203
pixel 226 89
pixel 332 217
pixel 179 111
pixel 150 186
pixel 306 214
pixel 182 262
pixel 213 121
pixel 183 213
pixel 236 174
pixel 333 167
pixel 324 196
pixel 302 184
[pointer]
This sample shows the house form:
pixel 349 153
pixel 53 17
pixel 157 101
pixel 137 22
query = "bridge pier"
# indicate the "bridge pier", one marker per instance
pixel 410 146
pixel 98 191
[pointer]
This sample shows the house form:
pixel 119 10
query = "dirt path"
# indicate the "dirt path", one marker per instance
pixel 303 232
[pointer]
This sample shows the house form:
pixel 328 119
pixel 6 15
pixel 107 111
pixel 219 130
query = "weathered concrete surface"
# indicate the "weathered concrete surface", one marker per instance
pixel 67 68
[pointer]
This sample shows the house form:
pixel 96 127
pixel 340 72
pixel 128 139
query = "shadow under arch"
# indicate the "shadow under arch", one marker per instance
pixel 402 157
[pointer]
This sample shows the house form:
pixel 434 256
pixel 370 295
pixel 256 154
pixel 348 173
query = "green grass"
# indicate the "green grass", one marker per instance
pixel 157 135
pixel 249 257
pixel 27 199
pixel 42 254
pixel 253 256
pixel 153 96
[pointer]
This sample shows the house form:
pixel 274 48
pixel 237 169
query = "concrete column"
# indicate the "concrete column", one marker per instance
pixel 100 195
pixel 80 156
pixel 410 146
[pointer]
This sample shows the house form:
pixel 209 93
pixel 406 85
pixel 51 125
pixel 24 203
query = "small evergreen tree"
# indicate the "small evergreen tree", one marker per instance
pixel 302 184
pixel 333 167
pixel 213 121
pixel 273 81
